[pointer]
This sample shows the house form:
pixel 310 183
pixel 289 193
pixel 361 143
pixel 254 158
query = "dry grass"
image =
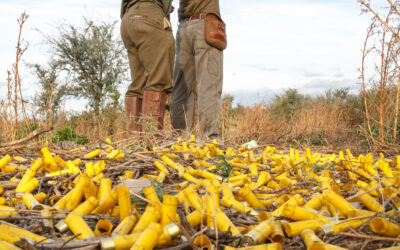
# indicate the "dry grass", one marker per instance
pixel 318 124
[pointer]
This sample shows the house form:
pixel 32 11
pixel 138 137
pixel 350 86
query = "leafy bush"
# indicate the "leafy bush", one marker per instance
pixel 287 104
pixel 69 134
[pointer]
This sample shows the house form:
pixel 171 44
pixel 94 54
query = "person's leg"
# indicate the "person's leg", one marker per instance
pixel 133 96
pixel 156 50
pixel 209 78
pixel 182 101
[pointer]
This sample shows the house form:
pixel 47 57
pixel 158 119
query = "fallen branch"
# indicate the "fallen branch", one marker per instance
pixel 29 137
pixel 365 236
pixel 93 243
pixel 182 246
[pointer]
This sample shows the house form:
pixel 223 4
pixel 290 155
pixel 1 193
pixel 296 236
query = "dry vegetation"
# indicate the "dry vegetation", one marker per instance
pixel 364 122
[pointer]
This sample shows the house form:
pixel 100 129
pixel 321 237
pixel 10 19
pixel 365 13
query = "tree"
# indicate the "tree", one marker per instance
pixel 93 58
pixel 341 94
pixel 380 82
pixel 51 93
pixel 288 104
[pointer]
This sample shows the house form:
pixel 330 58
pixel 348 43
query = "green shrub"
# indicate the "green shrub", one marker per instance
pixel 68 134
pixel 287 104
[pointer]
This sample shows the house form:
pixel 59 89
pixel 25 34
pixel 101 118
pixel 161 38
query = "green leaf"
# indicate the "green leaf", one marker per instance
pixel 223 169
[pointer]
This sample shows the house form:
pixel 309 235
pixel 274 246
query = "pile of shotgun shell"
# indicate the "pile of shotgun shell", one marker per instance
pixel 282 195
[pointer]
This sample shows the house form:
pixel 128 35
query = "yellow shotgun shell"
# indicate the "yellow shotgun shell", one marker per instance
pixel 151 194
pixel 90 189
pixel 103 227
pixel 61 203
pixel 195 218
pixel 169 233
pixel 296 200
pixel 89 169
pixel 124 201
pixel 8 246
pixel 107 203
pixel 37 165
pixel 5 160
pixel 78 226
pixel 29 174
pixel 123 242
pixel 161 176
pixel 193 197
pixel 231 203
pixel 309 238
pixel 250 197
pixel 29 186
pixel 295 228
pixel 151 214
pixel 60 162
pixel 98 178
pixel 335 228
pixel 40 197
pixel 83 209
pixel 258 234
pixel 113 154
pixel 277 234
pixel 104 189
pixel 7 211
pixel 48 158
pixel 340 203
pixel 225 224
pixel 385 227
pixel 99 167
pixel 149 238
pixel 30 201
pixel 93 154
pixel 371 203
pixel 160 166
pixel 126 225
pixel 211 210
pixel 12 233
pixel 168 210
pixel 316 202
pixel 78 192
pixel 298 213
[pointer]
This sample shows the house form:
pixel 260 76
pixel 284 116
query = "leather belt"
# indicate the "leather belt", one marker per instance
pixel 199 16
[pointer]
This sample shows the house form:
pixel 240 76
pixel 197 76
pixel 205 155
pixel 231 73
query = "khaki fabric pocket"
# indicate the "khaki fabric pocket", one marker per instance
pixel 154 22
pixel 213 64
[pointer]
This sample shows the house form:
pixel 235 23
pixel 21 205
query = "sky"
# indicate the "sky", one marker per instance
pixel 311 45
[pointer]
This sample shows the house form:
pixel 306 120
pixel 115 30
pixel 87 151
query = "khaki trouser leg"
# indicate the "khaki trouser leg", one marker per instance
pixel 182 100
pixel 207 71
pixel 151 51
pixel 209 88
pixel 150 48
pixel 137 70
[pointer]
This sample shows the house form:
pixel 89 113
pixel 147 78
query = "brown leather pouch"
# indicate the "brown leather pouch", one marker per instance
pixel 215 32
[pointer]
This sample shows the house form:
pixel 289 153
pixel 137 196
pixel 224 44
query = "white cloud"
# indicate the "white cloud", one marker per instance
pixel 304 40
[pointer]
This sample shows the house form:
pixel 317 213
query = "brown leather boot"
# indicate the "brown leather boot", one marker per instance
pixel 133 107
pixel 154 106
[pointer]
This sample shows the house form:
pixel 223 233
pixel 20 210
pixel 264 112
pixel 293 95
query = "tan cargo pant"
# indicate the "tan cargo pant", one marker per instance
pixel 151 48
pixel 196 62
